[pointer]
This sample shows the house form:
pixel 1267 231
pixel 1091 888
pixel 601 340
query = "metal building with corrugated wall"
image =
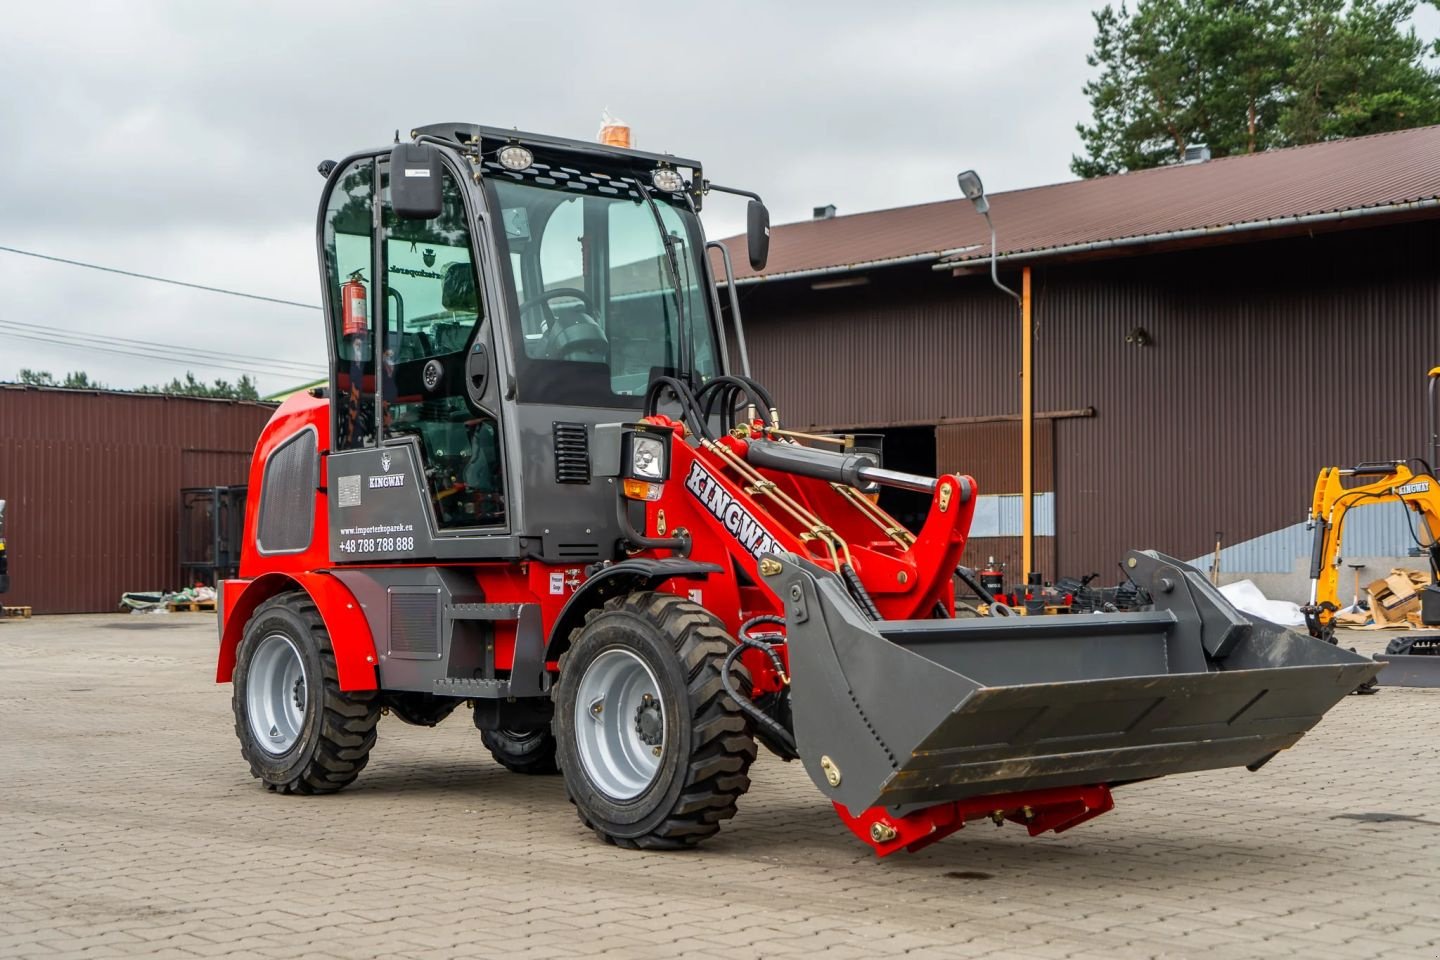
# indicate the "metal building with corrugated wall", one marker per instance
pixel 1205 338
pixel 93 480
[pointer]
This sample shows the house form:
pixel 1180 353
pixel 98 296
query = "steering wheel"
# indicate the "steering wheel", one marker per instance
pixel 542 300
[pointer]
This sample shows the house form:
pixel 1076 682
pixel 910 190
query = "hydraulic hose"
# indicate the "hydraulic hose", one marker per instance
pixel 689 409
pixel 783 739
pixel 858 591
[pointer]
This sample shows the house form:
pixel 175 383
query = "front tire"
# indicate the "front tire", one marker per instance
pixel 655 754
pixel 298 730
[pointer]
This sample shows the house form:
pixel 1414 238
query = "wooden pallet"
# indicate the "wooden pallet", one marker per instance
pixel 191 606
pixel 21 612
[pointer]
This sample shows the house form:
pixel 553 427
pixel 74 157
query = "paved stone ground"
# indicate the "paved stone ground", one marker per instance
pixel 130 826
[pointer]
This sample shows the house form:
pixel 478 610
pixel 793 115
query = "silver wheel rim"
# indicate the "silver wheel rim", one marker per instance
pixel 276 691
pixel 620 724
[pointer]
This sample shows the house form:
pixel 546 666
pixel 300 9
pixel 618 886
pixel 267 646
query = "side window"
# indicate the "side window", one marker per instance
pixel 348 268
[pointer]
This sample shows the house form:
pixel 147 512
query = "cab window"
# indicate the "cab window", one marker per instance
pixel 598 310
pixel 348 267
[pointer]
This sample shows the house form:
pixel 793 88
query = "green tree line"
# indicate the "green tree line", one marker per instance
pixel 191 386
pixel 1240 76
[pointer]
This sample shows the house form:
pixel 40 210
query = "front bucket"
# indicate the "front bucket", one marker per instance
pixel 907 714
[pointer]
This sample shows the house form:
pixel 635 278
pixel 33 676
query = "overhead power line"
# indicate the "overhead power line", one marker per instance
pixel 159 356
pixel 160 346
pixel 146 276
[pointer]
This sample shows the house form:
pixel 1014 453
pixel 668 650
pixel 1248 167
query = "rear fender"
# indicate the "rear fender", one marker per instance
pixel 627 576
pixel 350 636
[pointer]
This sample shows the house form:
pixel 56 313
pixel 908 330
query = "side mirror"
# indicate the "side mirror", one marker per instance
pixel 415 182
pixel 757 234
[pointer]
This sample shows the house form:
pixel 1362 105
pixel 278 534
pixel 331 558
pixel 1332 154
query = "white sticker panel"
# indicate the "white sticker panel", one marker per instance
pixel 349 491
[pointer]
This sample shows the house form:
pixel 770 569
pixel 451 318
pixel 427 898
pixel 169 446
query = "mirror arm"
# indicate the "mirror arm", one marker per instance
pixel 734 304
pixel 733 190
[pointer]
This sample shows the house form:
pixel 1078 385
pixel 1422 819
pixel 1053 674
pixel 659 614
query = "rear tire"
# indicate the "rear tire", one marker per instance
pixel 530 752
pixel 669 761
pixel 298 730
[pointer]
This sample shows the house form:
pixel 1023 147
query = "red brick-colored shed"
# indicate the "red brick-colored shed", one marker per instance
pixel 92 480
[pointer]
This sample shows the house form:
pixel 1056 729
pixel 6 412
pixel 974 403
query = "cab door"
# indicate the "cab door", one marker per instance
pixel 417 467
pixel 438 394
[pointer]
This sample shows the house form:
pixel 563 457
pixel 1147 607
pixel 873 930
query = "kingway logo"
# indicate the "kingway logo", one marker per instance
pixel 1419 486
pixel 387 479
pixel 732 515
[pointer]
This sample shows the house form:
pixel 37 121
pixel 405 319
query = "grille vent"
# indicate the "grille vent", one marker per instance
pixel 577 551
pixel 415 625
pixel 287 497
pixel 572 453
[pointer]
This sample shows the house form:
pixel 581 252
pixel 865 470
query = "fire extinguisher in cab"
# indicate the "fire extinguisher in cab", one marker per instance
pixel 352 300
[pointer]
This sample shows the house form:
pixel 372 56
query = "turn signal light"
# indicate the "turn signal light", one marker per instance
pixel 641 490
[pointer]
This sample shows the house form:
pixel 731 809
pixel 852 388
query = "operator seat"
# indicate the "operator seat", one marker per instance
pixel 457 293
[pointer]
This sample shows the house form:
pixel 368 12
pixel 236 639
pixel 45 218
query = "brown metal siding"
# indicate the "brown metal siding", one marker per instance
pixel 93 483
pixel 901 348
pixel 1269 361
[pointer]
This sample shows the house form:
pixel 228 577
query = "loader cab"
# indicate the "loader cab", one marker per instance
pixel 474 351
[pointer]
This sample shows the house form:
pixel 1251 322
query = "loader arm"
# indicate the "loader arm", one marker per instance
pixel 739 498
pixel 1395 482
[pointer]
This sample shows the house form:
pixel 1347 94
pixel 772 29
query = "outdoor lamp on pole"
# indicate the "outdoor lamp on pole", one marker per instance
pixel 974 191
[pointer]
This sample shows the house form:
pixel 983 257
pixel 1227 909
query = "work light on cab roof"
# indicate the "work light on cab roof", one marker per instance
pixel 515 157
pixel 667 179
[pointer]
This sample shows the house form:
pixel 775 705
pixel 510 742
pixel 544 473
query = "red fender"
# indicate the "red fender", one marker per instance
pixel 344 620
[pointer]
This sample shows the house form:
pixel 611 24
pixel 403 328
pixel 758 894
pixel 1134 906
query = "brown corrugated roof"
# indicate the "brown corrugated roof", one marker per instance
pixel 1380 173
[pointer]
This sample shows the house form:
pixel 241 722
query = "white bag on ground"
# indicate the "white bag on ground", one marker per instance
pixel 1247 598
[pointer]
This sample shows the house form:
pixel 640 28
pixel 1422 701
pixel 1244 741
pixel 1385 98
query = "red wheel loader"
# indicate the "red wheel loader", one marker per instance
pixel 536 488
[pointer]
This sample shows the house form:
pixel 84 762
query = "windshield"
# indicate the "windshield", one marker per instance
pixel 596 314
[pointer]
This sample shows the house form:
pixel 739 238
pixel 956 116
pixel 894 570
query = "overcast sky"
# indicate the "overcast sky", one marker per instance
pixel 181 139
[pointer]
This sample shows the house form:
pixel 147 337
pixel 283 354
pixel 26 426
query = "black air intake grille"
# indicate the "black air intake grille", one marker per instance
pixel 287 495
pixel 415 625
pixel 572 453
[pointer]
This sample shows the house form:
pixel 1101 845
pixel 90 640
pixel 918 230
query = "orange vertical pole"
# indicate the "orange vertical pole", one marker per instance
pixel 1027 428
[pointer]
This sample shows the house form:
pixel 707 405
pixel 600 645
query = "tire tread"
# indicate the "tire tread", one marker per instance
pixel 715 772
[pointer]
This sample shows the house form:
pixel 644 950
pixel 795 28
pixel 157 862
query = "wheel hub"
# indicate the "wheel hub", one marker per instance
pixel 276 694
pixel 619 724
pixel 649 724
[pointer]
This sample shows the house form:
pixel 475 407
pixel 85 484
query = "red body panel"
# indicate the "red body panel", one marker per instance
pixel 344 621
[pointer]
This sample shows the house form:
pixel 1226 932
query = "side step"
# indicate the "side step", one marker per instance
pixel 484 611
pixel 527 677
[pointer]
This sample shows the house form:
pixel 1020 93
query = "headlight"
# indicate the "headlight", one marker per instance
pixel 647 458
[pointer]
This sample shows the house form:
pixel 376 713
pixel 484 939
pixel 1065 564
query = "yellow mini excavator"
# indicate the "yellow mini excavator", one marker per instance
pixel 1411 483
